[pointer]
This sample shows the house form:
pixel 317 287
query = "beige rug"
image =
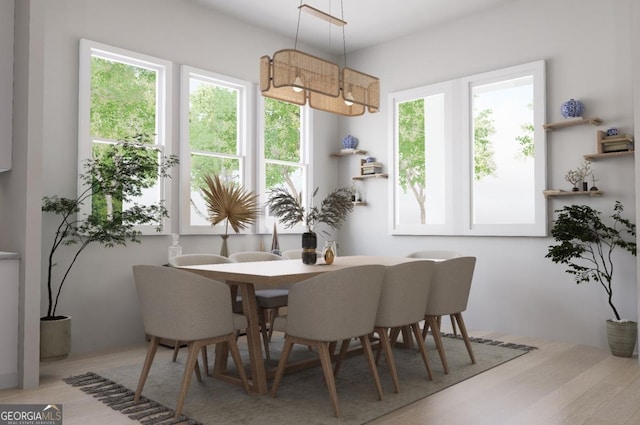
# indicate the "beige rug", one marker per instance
pixel 302 397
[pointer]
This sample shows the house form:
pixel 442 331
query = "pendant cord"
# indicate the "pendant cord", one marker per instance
pixel 295 45
pixel 344 41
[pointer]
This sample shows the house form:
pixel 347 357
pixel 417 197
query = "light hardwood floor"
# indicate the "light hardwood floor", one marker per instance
pixel 559 383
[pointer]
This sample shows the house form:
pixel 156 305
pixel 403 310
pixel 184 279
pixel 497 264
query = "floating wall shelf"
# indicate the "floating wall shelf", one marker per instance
pixel 552 193
pixel 345 152
pixel 571 123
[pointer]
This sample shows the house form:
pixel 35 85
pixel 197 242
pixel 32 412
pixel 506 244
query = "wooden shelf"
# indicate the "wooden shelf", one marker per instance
pixel 552 193
pixel 571 123
pixel 369 176
pixel 597 156
pixel 345 152
pixel 357 203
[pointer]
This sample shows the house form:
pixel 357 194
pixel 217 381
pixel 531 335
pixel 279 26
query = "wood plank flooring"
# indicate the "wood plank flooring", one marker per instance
pixel 559 383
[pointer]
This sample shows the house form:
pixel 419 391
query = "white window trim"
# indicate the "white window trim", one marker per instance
pixel 458 156
pixel 245 151
pixel 163 116
pixel 266 222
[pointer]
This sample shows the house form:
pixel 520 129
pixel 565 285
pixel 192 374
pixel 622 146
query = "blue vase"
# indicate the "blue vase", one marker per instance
pixel 349 142
pixel 572 108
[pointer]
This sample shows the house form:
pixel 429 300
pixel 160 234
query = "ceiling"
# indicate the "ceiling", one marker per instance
pixel 369 22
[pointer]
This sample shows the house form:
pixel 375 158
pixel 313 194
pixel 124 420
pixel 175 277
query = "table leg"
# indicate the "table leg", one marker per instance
pixel 254 344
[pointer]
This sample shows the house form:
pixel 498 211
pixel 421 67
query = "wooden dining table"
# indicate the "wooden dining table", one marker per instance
pixel 271 274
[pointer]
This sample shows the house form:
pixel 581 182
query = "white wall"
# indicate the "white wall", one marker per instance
pixel 587 48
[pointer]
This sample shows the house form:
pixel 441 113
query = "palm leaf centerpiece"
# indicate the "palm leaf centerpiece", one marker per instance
pixel 230 202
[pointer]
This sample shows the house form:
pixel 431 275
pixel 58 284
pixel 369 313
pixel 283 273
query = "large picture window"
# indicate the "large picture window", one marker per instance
pixel 214 131
pixel 469 155
pixel 123 96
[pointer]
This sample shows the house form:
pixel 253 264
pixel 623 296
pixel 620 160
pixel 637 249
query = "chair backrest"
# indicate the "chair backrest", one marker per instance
pixel 335 305
pixel 435 254
pixel 181 305
pixel 404 295
pixel 197 259
pixel 242 257
pixel 450 286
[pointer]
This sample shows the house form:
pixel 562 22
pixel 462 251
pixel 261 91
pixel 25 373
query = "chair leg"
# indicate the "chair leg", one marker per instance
pixel 465 336
pixel 273 313
pixel 176 348
pixel 366 344
pixel 192 359
pixel 341 355
pixel 416 332
pixel 435 331
pixel 388 354
pixel 205 360
pixel 151 353
pixel 284 358
pixel 325 361
pixel 453 325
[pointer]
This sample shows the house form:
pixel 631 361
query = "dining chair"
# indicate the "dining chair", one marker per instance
pixel 269 300
pixel 334 306
pixel 193 260
pixel 405 291
pixel 439 255
pixel 183 306
pixel 449 295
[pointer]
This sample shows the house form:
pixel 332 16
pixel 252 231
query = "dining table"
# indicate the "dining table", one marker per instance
pixel 247 275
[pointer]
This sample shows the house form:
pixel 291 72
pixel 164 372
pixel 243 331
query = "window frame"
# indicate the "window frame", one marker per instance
pixel 164 96
pixel 267 222
pixel 459 159
pixel 243 152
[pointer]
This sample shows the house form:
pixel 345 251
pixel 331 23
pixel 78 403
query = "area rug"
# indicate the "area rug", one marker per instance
pixel 302 396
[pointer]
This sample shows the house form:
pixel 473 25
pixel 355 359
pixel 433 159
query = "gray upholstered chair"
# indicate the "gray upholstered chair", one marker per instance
pixel 269 299
pixel 438 255
pixel 183 306
pixel 405 291
pixel 449 295
pixel 333 306
pixel 193 260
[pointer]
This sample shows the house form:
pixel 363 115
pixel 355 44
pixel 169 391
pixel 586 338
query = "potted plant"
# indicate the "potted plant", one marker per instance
pixel 115 175
pixel 230 202
pixel 289 211
pixel 586 244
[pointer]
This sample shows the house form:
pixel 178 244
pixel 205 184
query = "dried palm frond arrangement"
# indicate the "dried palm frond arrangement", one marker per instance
pixel 230 202
pixel 289 210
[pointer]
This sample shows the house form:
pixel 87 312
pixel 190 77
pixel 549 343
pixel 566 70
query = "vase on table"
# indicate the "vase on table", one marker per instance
pixel 224 251
pixel 309 245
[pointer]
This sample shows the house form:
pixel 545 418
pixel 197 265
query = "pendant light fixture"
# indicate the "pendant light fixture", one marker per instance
pixel 297 77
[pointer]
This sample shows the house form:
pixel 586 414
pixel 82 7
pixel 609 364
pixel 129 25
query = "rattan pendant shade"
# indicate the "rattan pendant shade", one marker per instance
pixel 295 77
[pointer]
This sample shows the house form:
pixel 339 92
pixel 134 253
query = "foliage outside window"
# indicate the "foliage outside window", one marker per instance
pixel 123 97
pixel 284 154
pixel 469 155
pixel 214 132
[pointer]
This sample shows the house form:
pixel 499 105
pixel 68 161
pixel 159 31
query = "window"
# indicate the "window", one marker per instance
pixel 123 96
pixel 215 117
pixel 284 154
pixel 469 155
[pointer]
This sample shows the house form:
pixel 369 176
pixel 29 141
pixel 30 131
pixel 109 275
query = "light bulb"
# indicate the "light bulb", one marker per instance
pixel 348 99
pixel 297 82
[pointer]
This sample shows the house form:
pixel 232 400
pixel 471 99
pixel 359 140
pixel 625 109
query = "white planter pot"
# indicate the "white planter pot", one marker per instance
pixel 622 337
pixel 55 339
